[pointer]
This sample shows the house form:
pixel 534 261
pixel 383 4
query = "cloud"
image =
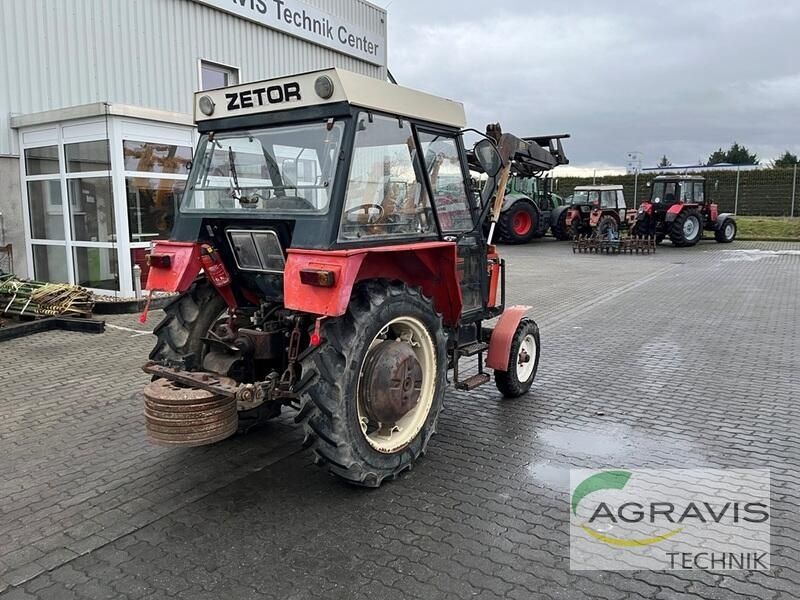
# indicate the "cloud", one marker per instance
pixel 673 78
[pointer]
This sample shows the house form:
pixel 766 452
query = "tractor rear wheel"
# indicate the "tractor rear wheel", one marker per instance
pixel 519 223
pixel 523 361
pixel 372 392
pixel 687 229
pixel 559 228
pixel 607 228
pixel 726 233
pixel 179 338
pixel 187 320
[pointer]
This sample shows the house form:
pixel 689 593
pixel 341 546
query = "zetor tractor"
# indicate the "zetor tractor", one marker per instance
pixel 594 211
pixel 679 207
pixel 331 257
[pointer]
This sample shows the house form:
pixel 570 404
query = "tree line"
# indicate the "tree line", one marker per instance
pixel 738 154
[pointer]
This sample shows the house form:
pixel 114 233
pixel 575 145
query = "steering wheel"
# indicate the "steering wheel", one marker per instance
pixel 366 208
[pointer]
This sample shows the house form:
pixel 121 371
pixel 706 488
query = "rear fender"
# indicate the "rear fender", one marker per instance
pixel 557 212
pixel 573 214
pixel 173 266
pixel 503 334
pixel 673 212
pixel 432 266
pixel 511 199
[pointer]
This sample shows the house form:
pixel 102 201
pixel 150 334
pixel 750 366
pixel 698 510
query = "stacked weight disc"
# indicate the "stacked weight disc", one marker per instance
pixel 181 416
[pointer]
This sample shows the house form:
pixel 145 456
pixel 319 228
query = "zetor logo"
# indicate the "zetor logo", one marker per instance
pixel 663 518
pixel 274 94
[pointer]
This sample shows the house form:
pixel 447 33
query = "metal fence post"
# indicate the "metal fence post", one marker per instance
pixel 736 200
pixel 794 187
pixel 635 186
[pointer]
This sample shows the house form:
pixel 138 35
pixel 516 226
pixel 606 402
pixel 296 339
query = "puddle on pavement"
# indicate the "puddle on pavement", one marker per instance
pixel 615 445
pixel 755 254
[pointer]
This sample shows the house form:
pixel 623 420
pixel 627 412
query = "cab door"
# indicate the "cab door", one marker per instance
pixel 447 173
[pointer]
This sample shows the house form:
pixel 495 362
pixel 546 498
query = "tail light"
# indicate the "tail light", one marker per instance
pixel 318 277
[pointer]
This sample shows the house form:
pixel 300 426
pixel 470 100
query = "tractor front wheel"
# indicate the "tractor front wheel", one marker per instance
pixel 687 229
pixel 727 232
pixel 519 223
pixel 523 361
pixel 372 392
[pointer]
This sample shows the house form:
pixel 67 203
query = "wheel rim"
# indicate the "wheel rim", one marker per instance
pixel 690 228
pixel 392 437
pixel 729 230
pixel 521 223
pixel 526 358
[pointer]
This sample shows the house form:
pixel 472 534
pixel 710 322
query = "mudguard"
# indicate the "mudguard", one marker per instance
pixel 511 199
pixel 503 334
pixel 673 212
pixel 173 266
pixel 722 217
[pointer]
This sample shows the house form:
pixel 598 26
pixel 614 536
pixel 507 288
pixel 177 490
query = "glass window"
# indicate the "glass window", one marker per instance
pixel 620 199
pixel 687 191
pixel 663 192
pixel 594 197
pixel 608 199
pixel 447 181
pixel 139 257
pixel 50 263
pixel 41 161
pixel 46 209
pixel 286 168
pixel 87 156
pixel 148 157
pixel 151 207
pixel 385 196
pixel 96 268
pixel 91 209
pixel 699 192
pixel 214 76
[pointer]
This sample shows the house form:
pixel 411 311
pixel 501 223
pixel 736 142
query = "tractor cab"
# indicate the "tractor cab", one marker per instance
pixel 595 205
pixel 666 191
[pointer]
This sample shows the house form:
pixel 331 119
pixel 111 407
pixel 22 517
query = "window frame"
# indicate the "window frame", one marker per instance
pixel 220 66
pixel 378 240
pixel 457 138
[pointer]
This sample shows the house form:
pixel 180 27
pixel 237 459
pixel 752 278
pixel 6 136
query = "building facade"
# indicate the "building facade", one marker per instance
pixel 96 132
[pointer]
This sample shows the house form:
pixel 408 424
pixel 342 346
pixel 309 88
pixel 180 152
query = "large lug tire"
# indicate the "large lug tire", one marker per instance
pixel 518 224
pixel 559 228
pixel 687 229
pixel 336 379
pixel 607 228
pixel 179 339
pixel 726 232
pixel 186 321
pixel 523 362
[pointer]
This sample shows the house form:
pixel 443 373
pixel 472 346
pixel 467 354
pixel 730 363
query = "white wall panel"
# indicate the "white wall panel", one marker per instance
pixel 61 53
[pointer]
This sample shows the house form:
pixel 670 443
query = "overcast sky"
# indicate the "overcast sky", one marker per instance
pixel 680 78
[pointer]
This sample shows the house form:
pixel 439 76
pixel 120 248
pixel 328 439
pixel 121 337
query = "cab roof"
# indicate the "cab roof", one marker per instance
pixel 589 188
pixel 310 89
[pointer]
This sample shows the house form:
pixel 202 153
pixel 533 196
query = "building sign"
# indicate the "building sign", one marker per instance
pixel 304 21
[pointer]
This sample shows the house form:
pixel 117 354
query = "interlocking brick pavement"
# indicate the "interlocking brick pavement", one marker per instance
pixel 687 358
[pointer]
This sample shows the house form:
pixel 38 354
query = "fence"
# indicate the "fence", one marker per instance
pixel 765 192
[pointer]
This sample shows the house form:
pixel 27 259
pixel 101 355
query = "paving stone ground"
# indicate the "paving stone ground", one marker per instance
pixel 687 358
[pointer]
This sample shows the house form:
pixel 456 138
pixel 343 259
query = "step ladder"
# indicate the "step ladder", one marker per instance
pixel 481 377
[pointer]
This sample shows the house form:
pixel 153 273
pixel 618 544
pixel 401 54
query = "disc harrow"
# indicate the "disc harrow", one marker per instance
pixel 611 245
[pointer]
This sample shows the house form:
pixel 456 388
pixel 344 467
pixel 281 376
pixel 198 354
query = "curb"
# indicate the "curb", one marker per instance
pixel 128 307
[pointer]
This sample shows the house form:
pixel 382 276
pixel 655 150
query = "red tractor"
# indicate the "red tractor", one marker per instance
pixel 331 257
pixel 594 211
pixel 679 208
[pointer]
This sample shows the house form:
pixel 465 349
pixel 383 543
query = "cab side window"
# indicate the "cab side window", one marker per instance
pixel 441 158
pixel 698 192
pixel 385 194
pixel 608 199
pixel 620 199
pixel 687 193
